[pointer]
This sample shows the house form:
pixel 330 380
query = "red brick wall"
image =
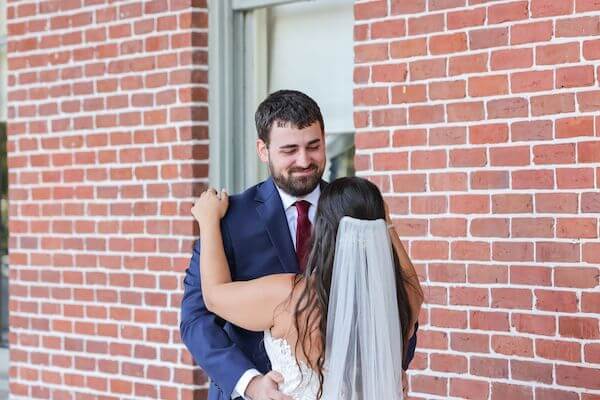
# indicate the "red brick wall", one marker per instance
pixel 107 145
pixel 479 120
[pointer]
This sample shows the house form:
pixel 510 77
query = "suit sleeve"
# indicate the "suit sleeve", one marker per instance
pixel 412 345
pixel 202 331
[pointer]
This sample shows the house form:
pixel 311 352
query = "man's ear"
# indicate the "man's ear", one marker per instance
pixel 262 150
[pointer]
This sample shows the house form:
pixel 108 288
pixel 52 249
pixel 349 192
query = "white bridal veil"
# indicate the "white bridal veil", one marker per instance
pixel 363 353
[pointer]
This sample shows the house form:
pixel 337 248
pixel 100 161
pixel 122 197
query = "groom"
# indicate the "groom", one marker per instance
pixel 265 231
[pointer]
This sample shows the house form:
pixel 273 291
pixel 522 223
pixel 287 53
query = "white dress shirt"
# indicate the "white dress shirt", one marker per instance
pixel 291 214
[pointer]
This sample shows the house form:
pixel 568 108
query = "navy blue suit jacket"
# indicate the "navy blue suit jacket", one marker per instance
pixel 257 242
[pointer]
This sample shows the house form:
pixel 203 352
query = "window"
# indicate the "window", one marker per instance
pixel 270 45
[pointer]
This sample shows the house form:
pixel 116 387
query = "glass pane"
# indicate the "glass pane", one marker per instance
pixel 311 50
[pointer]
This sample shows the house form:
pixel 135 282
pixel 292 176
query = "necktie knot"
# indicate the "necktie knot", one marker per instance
pixel 302 206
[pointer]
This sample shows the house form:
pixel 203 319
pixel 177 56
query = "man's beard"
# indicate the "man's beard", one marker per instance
pixel 298 186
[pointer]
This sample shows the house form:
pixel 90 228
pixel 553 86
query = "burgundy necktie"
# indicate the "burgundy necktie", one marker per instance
pixel 302 232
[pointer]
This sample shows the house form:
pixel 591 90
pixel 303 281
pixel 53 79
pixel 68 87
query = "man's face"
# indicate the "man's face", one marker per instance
pixel 296 157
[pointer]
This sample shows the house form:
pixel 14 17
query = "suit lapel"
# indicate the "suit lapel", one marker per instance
pixel 270 209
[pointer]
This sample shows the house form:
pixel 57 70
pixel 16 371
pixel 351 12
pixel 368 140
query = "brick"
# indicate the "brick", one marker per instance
pixel 409 94
pixel 370 96
pixel 581 26
pixel 527 275
pixel 578 327
pixel 427 159
pixel 369 140
pixel 508 108
pixel 536 324
pixel 548 8
pixel 573 277
pixel 469 389
pixel 576 228
pixel 589 101
pixel 574 178
pixel 409 137
pixel 374 9
pixel 466 18
pixel 447 273
pixel 580 377
pixel 472 111
pixel 411 227
pixel 557 53
pixel 435 5
pixel 590 202
pixel 574 77
pixel 586 5
pixel 408 48
pixel 389 117
pixel 489 180
pixel 512 345
pixel 512 203
pixel 429 384
pixel 557 252
pixel 447 136
pixel 489 367
pixel 370 52
pixel 554 154
pixel 510 156
pixel 531 32
pixel 591 49
pixel 487 273
pixel 558 350
pixel 459 65
pixel 447 90
pixel 468 157
pixel 512 59
pixel 409 183
pixel 429 204
pixel 591 252
pixel 407 6
pixel 426 114
pixel 552 300
pixel 388 73
pixel 512 251
pixel 487 38
pixel 552 104
pixel 588 152
pixel 511 298
pixel 469 296
pixel 425 24
pixel 448 181
pixel 390 161
pixel 466 250
pixel 392 28
pixel 469 342
pixel 427 69
pixel 448 227
pixel 531 371
pixel 490 85
pixel 531 81
pixel 531 130
pixel 533 179
pixel 514 11
pixel 448 363
pixel 490 227
pixel 470 204
pixel 450 43
pixel 556 203
pixel 532 227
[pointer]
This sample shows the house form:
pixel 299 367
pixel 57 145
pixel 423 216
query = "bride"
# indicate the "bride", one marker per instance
pixel 339 330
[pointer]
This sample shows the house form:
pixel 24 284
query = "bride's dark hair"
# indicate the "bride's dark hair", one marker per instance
pixel 354 197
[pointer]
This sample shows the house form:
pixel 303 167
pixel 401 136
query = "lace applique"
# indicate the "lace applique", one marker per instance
pixel 299 383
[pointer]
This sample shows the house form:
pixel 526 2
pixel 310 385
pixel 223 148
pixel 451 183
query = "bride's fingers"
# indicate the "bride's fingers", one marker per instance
pixel 276 376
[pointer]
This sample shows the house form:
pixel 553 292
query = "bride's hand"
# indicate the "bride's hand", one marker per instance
pixel 211 206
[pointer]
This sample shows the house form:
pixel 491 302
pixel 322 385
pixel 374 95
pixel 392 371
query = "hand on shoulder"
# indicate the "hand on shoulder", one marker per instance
pixel 211 206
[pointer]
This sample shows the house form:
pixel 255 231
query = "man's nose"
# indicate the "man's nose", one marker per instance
pixel 303 160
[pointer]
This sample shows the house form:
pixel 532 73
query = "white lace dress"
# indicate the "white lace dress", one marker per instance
pixel 300 384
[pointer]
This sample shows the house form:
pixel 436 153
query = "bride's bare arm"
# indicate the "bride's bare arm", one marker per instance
pixel 247 304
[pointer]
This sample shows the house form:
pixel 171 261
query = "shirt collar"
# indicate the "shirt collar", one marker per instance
pixel 289 200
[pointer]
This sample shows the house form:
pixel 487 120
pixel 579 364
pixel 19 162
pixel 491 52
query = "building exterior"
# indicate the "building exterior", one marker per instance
pixel 479 120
